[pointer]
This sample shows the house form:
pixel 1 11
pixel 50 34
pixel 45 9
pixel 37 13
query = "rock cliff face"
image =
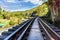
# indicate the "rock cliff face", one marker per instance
pixel 55 10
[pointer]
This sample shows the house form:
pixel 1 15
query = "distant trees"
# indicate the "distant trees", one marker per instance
pixel 18 17
pixel 0 10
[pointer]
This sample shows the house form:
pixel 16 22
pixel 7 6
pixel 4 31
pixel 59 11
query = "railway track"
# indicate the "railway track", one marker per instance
pixel 33 29
pixel 15 32
pixel 49 31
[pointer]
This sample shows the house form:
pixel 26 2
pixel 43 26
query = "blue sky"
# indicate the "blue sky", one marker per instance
pixel 19 5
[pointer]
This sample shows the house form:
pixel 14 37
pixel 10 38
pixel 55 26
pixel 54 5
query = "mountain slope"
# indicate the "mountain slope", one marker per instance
pixel 41 10
pixel 18 17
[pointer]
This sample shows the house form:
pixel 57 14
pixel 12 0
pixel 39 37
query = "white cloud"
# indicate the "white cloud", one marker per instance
pixel 34 1
pixel 19 6
pixel 11 0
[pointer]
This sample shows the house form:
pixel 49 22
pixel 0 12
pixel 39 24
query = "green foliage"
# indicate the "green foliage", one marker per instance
pixel 11 22
pixel 19 16
pixel 1 17
pixel 48 14
pixel 0 10
pixel 41 10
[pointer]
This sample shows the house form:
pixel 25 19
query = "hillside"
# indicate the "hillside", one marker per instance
pixel 41 10
pixel 18 17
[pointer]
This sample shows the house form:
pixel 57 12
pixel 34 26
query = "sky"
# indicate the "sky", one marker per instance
pixel 19 5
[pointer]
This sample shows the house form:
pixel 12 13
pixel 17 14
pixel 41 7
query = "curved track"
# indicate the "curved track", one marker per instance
pixel 33 29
